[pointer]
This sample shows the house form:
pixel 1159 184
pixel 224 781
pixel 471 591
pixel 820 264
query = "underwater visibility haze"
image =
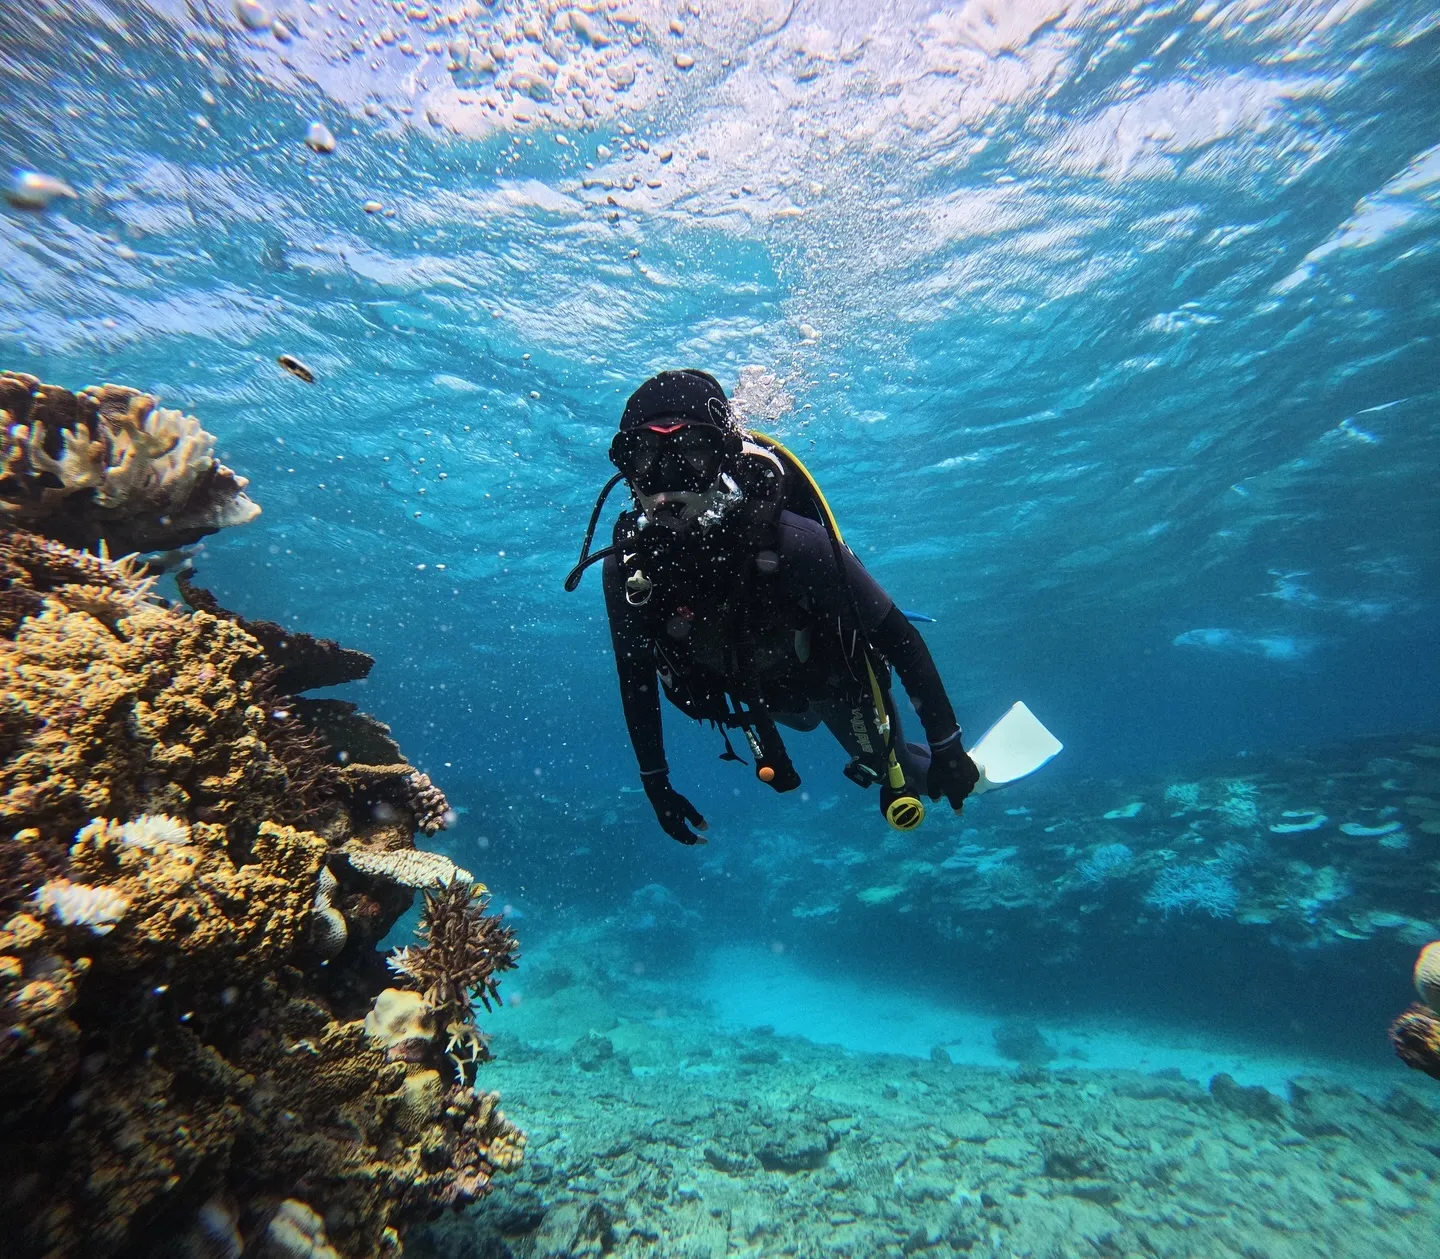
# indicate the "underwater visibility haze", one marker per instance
pixel 1109 331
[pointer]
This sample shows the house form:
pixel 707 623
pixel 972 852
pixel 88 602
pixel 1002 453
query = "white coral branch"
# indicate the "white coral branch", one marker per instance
pixel 408 867
pixel 81 464
pixel 78 905
pixel 402 961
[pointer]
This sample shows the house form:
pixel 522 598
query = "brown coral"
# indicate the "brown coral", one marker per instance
pixel 32 567
pixel 1415 1036
pixel 302 661
pixel 462 954
pixel 384 791
pixel 108 465
pixel 115 706
pixel 181 1051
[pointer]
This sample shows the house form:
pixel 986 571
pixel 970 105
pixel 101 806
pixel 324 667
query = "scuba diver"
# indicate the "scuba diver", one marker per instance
pixel 728 581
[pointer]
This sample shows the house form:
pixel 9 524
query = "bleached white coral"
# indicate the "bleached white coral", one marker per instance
pixel 402 961
pixel 1184 796
pixel 78 905
pixel 1241 803
pixel 409 867
pixel 149 831
pixel 153 830
pixel 297 1232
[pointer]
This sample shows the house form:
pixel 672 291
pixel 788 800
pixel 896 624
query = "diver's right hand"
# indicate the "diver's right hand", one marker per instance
pixel 673 810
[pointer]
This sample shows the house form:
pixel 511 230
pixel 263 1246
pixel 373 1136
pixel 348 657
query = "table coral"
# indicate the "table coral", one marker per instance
pixel 186 960
pixel 108 464
pixel 304 661
pixel 408 867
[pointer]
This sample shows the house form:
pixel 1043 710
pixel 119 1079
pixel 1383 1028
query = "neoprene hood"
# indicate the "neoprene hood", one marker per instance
pixel 692 395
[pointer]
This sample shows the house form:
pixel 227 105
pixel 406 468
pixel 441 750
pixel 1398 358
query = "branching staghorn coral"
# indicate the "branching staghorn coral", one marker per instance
pixel 384 789
pixel 462 952
pixel 108 465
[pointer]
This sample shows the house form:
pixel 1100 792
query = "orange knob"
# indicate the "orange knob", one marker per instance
pixel 765 774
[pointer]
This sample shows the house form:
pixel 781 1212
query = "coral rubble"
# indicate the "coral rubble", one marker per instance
pixel 108 465
pixel 191 891
pixel 686 1136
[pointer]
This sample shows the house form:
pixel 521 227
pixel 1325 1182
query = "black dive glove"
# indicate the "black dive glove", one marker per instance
pixel 672 809
pixel 952 773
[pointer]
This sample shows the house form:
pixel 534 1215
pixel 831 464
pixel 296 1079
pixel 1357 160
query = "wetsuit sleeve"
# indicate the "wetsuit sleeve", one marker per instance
pixel 875 605
pixel 809 559
pixel 808 562
pixel 901 644
pixel 635 663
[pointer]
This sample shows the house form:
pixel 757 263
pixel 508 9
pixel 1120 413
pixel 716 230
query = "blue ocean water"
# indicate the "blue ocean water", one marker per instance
pixel 1110 331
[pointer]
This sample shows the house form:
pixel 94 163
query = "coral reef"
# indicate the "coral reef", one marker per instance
pixel 108 466
pixel 1324 849
pixel 1179 889
pixel 1105 860
pixel 188 922
pixel 129 707
pixel 303 661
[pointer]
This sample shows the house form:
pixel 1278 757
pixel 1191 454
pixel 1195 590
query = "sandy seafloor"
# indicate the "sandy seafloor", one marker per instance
pixel 751 1107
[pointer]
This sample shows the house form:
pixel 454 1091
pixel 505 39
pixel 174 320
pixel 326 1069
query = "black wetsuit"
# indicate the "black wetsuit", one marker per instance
pixel 782 642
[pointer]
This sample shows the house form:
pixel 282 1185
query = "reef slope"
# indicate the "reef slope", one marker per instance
pixel 201 1050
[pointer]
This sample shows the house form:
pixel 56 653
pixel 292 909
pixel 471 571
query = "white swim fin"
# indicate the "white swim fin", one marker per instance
pixel 1014 746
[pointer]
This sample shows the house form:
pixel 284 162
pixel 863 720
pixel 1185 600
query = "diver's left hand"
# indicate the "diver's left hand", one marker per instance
pixel 952 773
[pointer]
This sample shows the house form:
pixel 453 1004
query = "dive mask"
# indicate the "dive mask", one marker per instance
pixel 670 457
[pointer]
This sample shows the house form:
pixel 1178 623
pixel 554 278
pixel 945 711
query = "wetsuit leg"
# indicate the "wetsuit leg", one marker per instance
pixel 805 721
pixel 851 719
